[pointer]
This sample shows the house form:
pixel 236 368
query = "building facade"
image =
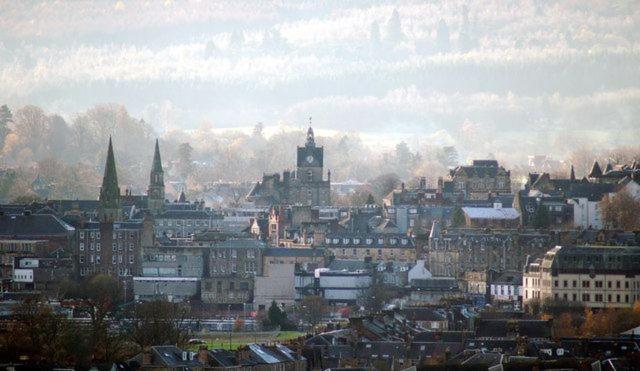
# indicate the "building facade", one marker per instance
pixel 233 266
pixel 377 247
pixel 478 181
pixel 593 276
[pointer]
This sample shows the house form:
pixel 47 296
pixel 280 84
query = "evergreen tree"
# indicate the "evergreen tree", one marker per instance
pixel 457 219
pixel 541 217
pixel 275 316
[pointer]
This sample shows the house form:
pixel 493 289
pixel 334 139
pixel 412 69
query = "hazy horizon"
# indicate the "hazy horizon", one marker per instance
pixel 506 78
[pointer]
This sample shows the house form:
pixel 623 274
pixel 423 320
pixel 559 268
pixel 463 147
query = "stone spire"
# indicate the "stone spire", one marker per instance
pixel 157 162
pixel 155 193
pixel 572 177
pixel 110 209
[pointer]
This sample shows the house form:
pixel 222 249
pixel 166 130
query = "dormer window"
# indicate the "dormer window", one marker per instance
pixel 380 241
pixel 393 241
pixel 369 241
pixel 327 241
pixel 310 175
pixel 345 241
pixel 336 241
pixel 356 241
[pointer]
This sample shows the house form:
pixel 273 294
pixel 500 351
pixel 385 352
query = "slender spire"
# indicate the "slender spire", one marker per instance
pixel 110 192
pixel 573 174
pixel 155 193
pixel 157 162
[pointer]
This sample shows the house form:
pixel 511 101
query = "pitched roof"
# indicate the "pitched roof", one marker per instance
pixel 33 225
pixel 297 252
pixel 595 170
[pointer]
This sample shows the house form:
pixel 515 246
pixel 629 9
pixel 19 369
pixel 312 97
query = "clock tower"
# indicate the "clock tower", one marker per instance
pixel 310 160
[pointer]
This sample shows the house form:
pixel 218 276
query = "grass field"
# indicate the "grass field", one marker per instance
pixel 220 340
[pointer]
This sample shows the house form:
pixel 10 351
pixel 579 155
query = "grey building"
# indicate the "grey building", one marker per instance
pixel 173 289
pixel 185 223
pixel 233 265
pixel 176 261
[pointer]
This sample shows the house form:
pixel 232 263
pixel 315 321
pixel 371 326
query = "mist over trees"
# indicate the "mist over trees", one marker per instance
pixel 68 155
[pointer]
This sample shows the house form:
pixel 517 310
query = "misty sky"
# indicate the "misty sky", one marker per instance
pixel 487 76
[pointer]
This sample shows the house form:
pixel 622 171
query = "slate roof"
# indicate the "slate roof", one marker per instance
pixel 348 265
pixel 168 356
pixel 293 252
pixel 186 214
pixel 381 349
pixel 33 225
pixel 423 314
pixel 502 328
pixel 591 191
pixel 241 243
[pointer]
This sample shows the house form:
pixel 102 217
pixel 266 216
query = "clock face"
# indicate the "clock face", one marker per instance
pixel 309 159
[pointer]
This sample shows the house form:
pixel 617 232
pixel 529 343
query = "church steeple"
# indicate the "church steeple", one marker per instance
pixel 110 210
pixel 572 177
pixel 155 193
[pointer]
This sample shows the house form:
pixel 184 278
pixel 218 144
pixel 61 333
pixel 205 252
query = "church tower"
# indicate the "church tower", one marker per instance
pixel 155 193
pixel 110 210
pixel 310 160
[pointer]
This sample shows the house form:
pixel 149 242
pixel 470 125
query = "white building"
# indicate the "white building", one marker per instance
pixel 506 287
pixel 419 271
pixel 586 213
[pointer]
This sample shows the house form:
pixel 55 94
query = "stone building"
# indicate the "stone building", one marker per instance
pixel 233 265
pixel 452 252
pixel 478 181
pixel 592 276
pixel 305 186
pixel 374 246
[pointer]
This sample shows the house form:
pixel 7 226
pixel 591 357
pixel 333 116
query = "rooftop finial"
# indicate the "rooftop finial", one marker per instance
pixel 311 142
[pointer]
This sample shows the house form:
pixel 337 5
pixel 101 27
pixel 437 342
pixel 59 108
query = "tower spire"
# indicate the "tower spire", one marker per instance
pixel 572 177
pixel 311 141
pixel 157 162
pixel 109 191
pixel 155 193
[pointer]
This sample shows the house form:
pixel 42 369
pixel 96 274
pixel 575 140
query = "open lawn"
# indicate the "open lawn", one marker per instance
pixel 220 340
